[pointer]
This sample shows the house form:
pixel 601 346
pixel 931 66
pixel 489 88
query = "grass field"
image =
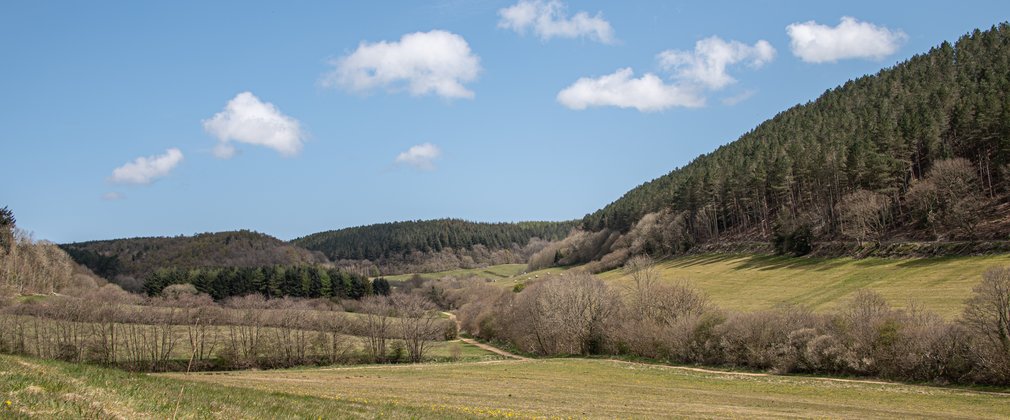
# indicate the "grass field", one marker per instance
pixel 601 388
pixel 50 389
pixel 493 272
pixel 552 388
pixel 754 282
pixel 32 388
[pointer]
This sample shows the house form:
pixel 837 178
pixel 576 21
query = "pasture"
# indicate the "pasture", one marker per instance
pixel 564 388
pixel 754 282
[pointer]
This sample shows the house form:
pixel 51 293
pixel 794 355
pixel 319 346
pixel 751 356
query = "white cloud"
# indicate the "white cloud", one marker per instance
pixel 707 64
pixel 548 20
pixel 621 89
pixel 437 62
pixel 113 196
pixel 740 97
pixel 421 156
pixel 692 73
pixel 143 170
pixel 816 43
pixel 246 119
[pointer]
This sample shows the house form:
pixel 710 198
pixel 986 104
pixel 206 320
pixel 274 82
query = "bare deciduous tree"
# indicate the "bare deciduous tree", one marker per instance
pixel 988 311
pixel 863 214
pixel 377 326
pixel 418 323
pixel 949 197
pixel 565 314
pixel 644 281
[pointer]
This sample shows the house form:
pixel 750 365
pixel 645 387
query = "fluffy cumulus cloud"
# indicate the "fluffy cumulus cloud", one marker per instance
pixel 547 19
pixel 435 62
pixel 246 119
pixel 816 43
pixel 621 89
pixel 421 156
pixel 144 170
pixel 707 64
pixel 691 74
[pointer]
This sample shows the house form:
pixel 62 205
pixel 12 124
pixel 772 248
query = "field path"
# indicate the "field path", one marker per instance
pixel 476 343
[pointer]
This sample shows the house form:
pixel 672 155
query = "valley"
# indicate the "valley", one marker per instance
pixel 837 246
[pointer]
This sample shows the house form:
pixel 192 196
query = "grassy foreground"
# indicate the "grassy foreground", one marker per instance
pixel 42 388
pixel 611 389
pixel 755 282
pixel 46 389
pixel 554 388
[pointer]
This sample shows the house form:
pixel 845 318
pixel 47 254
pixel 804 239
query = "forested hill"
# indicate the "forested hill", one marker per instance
pixel 390 240
pixel 917 151
pixel 135 258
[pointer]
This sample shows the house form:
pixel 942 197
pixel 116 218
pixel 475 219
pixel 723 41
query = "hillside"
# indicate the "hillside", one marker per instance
pixel 435 245
pixel 755 282
pixel 917 151
pixel 127 260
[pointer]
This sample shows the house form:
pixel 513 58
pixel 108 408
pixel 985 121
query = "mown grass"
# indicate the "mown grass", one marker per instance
pixel 612 389
pixel 755 282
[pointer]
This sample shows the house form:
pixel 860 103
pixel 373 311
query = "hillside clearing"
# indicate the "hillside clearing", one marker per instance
pixel 755 282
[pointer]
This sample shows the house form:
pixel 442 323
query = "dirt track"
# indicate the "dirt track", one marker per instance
pixel 487 347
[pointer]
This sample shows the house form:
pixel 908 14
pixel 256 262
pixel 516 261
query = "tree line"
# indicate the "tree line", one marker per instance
pixel 920 150
pixel 388 240
pixel 578 314
pixel 184 330
pixel 270 282
pixel 128 261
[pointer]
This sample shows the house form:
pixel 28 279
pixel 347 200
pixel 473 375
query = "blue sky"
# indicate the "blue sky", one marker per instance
pixel 491 111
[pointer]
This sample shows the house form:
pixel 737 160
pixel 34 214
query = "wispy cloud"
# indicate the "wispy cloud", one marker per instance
pixel 738 98
pixel 421 156
pixel 548 19
pixel 144 170
pixel 816 43
pixel 435 62
pixel 707 64
pixel 113 196
pixel 246 119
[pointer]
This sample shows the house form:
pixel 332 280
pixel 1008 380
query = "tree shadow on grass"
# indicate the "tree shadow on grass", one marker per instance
pixel 777 262
pixel 760 262
pixel 927 262
pixel 704 259
pixel 872 262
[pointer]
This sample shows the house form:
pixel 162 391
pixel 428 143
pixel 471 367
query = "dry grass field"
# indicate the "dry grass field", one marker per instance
pixel 577 388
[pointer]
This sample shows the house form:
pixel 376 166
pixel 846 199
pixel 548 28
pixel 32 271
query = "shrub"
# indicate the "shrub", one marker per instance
pixel 791 237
